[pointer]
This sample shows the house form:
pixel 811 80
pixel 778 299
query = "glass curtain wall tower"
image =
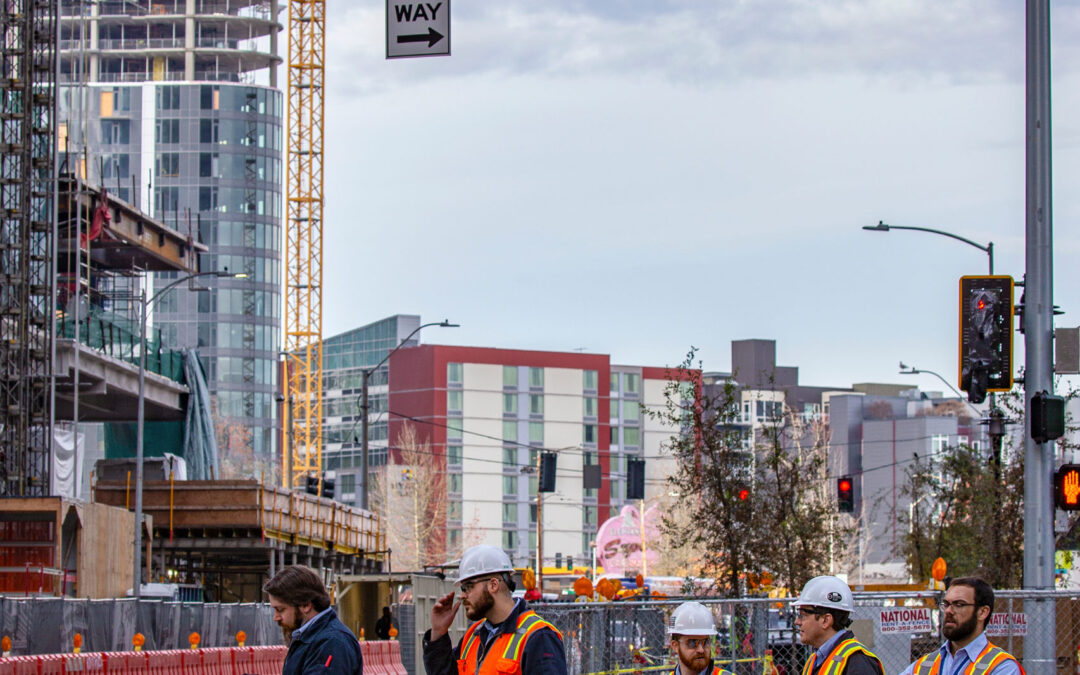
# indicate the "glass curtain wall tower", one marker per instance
pixel 176 105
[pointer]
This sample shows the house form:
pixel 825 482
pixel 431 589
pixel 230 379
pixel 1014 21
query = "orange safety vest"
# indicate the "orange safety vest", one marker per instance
pixel 986 661
pixel 504 656
pixel 837 660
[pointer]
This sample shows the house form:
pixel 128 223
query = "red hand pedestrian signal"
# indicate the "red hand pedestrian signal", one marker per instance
pixel 1067 487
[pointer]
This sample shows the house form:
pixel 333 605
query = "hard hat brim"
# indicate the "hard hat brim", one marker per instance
pixel 481 574
pixel 696 632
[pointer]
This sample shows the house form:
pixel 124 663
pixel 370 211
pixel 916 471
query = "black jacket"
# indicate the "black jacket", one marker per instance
pixel 543 654
pixel 325 647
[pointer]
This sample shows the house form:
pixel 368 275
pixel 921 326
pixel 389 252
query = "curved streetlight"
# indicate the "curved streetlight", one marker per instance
pixel 145 303
pixel 912 370
pixel 365 376
pixel 988 249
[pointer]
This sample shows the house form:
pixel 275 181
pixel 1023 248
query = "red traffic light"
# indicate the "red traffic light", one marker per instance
pixel 1067 487
pixel 844 485
pixel 744 494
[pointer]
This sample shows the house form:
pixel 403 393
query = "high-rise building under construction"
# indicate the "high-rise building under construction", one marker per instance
pixel 177 101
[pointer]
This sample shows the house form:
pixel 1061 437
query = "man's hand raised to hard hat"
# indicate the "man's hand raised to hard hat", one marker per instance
pixel 442 615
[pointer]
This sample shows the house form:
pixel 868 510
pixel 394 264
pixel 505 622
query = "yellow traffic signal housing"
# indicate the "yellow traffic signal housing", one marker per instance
pixel 986 335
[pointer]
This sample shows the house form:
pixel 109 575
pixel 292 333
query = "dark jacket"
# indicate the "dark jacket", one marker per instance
pixel 543 655
pixel 326 647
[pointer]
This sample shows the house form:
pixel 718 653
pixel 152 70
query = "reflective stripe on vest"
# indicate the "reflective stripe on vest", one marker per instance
pixel 836 661
pixel 717 670
pixel 507 648
pixel 984 663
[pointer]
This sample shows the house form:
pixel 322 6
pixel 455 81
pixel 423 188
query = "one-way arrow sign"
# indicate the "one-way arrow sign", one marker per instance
pixel 417 28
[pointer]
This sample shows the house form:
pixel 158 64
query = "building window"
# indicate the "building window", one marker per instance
pixel 614 382
pixel 536 432
pixel 453 401
pixel 168 98
pixel 453 510
pixel 453 373
pixel 509 514
pixel 532 513
pixel 453 483
pixel 453 454
pixel 510 430
pixel 631 437
pixel 536 404
pixel 509 457
pixel 453 539
pixel 453 430
pixel 509 540
pixel 510 377
pixel 631 411
pixel 590 380
pixel 115 132
pixel 168 131
pixel 536 378
pixel 509 486
pixel 613 408
pixel 633 383
pixel 510 404
pixel 589 435
pixel 168 164
pixel 589 516
pixel 590 407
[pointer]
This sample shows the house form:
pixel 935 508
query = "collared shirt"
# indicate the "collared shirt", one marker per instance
pixel 954 664
pixel 296 633
pixel 823 651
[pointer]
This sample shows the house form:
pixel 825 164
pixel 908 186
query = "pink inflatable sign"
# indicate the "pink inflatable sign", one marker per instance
pixel 618 541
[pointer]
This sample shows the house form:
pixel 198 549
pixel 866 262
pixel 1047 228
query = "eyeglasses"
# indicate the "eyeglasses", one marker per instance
pixel 466 586
pixel 696 643
pixel 810 611
pixel 955 604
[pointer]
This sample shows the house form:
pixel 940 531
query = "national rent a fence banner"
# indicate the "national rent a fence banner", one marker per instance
pixel 905 620
pixel 1002 623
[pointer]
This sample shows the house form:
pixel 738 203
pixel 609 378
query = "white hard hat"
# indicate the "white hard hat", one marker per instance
pixel 483 559
pixel 691 618
pixel 826 592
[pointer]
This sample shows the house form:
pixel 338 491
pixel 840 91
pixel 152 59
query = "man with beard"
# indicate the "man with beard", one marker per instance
pixel 691 630
pixel 506 638
pixel 967 607
pixel 824 612
pixel 318 641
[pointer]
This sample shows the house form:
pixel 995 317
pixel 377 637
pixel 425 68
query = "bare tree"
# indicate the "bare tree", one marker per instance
pixel 411 499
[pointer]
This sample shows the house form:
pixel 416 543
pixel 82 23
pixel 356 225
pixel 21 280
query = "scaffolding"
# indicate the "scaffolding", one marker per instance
pixel 28 65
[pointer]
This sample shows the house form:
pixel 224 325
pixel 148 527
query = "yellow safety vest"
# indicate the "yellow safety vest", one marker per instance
pixel 984 663
pixel 717 670
pixel 836 661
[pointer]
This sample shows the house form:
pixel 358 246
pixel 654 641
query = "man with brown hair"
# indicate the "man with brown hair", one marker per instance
pixel 318 641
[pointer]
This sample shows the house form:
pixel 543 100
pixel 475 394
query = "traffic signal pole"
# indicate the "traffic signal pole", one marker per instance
pixel 1039 652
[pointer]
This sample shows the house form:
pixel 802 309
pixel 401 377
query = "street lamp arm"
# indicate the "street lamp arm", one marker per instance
pixel 445 323
pixel 153 298
pixel 911 370
pixel 885 227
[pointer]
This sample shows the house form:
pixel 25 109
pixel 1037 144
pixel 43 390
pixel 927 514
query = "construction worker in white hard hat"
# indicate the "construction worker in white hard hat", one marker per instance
pixel 966 610
pixel 824 612
pixel 692 630
pixel 506 637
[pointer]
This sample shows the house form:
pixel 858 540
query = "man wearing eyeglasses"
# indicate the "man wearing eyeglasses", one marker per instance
pixel 824 612
pixel 506 638
pixel 966 611
pixel 691 630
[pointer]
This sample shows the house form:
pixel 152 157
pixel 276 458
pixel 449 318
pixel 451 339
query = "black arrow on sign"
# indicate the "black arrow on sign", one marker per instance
pixel 431 37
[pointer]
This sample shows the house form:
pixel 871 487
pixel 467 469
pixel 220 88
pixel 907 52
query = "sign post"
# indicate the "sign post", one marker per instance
pixel 417 28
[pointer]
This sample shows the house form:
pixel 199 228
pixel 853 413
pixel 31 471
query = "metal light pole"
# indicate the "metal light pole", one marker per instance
pixel 144 304
pixel 365 376
pixel 1039 649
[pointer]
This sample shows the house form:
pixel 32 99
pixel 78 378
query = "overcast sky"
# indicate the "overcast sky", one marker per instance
pixel 636 177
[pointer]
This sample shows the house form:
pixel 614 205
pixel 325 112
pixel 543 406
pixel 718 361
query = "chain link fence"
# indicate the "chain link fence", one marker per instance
pixel 757 635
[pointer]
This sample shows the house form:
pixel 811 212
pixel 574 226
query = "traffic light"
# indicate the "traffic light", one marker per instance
pixel 311 485
pixel 845 495
pixel 1047 417
pixel 635 479
pixel 986 328
pixel 328 487
pixel 547 472
pixel 1067 487
pixel 743 494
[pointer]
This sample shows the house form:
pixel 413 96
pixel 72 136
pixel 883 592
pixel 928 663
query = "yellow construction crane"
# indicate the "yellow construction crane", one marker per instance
pixel 302 445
